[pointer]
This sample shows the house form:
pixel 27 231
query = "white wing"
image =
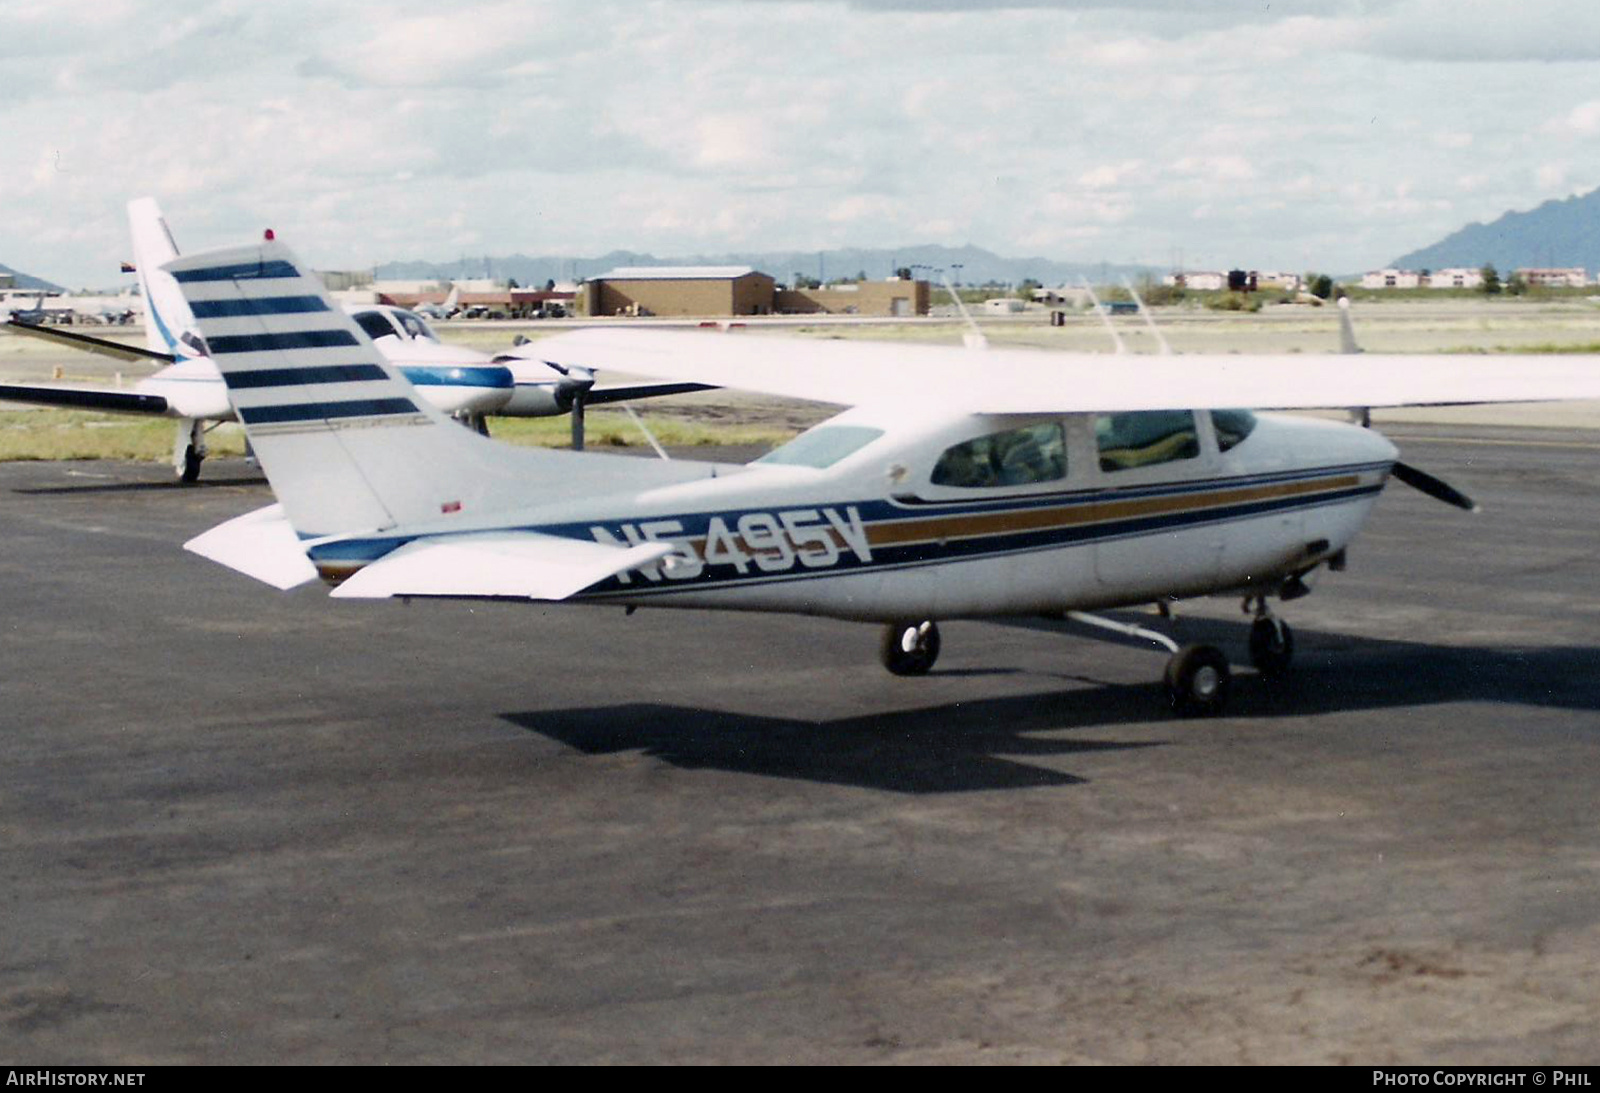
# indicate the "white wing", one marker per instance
pixel 1001 381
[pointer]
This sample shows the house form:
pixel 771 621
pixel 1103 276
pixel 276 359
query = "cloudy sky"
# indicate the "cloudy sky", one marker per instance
pixel 1224 132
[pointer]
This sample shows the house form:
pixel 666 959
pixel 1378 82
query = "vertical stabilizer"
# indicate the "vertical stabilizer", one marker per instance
pixel 168 325
pixel 347 443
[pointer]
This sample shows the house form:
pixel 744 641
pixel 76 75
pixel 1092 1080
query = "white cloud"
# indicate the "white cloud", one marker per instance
pixel 685 126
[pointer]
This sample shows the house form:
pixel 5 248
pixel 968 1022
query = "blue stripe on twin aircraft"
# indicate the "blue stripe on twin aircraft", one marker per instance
pixel 458 376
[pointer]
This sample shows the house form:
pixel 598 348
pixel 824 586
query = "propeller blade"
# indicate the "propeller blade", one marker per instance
pixel 1433 487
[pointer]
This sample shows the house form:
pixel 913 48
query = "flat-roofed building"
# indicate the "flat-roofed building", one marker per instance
pixel 895 297
pixel 679 291
pixel 1572 277
pixel 1456 277
pixel 1391 278
pixel 1198 279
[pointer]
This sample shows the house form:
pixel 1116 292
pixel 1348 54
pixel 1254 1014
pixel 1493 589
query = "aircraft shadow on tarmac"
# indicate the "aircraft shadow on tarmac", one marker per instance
pixel 962 746
pixel 987 744
pixel 153 486
pixel 1342 672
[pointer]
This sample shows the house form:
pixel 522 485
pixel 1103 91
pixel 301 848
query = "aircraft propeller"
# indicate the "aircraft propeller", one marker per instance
pixel 1435 488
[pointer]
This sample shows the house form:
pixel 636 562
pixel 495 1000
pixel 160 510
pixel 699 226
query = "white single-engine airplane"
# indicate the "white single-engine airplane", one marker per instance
pixel 959 485
pixel 454 379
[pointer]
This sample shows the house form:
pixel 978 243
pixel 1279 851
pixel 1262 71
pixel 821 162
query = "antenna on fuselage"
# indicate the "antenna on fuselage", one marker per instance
pixel 1105 318
pixel 973 338
pixel 1347 329
pixel 1149 320
pixel 1361 415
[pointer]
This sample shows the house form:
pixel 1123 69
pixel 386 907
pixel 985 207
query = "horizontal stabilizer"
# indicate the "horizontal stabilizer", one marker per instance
pixel 84 398
pixel 105 347
pixel 518 564
pixel 259 544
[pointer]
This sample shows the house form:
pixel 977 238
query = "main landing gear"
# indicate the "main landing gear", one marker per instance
pixel 189 450
pixel 910 648
pixel 1198 678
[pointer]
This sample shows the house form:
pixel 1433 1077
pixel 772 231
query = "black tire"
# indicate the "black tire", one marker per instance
pixel 1271 647
pixel 1198 681
pixel 923 639
pixel 191 466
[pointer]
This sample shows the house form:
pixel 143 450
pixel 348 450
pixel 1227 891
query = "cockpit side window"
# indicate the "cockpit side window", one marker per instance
pixel 375 323
pixel 1231 427
pixel 1017 457
pixel 1145 438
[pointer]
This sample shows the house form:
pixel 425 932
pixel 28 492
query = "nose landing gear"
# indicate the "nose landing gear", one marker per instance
pixel 1271 641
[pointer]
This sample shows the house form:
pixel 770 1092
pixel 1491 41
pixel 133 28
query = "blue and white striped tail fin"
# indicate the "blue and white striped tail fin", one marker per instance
pixel 347 443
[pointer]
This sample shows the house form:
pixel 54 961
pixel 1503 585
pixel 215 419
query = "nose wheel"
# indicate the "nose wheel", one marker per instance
pixel 1271 646
pixel 1271 641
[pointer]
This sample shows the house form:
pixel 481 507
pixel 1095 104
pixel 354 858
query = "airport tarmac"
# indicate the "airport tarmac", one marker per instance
pixel 254 827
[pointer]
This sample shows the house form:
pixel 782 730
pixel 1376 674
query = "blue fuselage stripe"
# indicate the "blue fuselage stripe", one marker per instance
pixel 264 305
pixel 933 549
pixel 459 376
pixel 294 339
pixel 325 411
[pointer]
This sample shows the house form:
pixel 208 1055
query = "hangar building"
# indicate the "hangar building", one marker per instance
pixel 705 291
pixel 680 291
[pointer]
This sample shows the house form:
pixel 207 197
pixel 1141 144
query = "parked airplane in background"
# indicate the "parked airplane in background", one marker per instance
pixel 39 314
pixel 454 379
pixel 445 310
pixel 959 485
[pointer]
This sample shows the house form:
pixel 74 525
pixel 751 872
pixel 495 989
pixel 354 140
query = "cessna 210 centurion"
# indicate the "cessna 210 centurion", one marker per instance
pixel 959 484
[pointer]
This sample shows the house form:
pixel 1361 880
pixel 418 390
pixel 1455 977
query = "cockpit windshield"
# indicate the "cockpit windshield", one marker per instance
pixel 823 446
pixel 414 326
pixel 384 324
pixel 376 324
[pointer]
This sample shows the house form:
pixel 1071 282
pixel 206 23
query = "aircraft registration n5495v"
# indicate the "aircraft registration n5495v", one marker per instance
pixel 959 484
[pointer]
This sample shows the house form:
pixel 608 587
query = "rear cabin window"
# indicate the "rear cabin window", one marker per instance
pixel 1017 457
pixel 1231 427
pixel 1145 438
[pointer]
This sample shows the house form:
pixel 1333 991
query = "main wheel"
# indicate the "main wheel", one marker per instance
pixel 1198 681
pixel 191 465
pixel 1271 646
pixel 910 648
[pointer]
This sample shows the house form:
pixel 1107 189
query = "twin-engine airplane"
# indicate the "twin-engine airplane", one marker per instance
pixel 959 485
pixel 453 379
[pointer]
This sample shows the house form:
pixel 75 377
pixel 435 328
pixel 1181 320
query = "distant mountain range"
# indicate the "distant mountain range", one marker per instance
pixel 1556 234
pixel 23 280
pixel 977 265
